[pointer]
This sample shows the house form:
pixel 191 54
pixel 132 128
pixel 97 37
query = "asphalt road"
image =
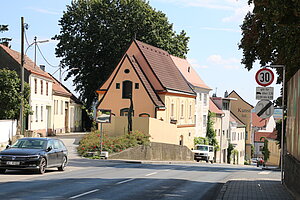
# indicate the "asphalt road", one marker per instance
pixel 109 180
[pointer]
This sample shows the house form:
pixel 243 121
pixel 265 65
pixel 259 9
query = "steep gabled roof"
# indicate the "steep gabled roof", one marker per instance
pixel 189 73
pixel 234 118
pixel 164 68
pixel 213 108
pixel 155 98
pixel 29 65
pixel 234 92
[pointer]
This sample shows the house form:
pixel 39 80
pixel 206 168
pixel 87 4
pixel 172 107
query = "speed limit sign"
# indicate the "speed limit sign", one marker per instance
pixel 264 77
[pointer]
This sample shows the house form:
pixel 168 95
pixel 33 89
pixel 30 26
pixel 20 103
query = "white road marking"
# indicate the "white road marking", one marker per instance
pixel 118 183
pixel 264 172
pixel 151 174
pixel 80 195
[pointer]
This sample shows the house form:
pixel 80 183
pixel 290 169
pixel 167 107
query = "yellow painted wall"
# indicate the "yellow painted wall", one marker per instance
pixel 274 152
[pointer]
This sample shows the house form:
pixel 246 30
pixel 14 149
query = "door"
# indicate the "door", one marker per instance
pixel 59 152
pixel 48 120
pixel 51 155
pixel 66 117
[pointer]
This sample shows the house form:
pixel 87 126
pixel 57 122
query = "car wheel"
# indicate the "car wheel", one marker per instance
pixel 206 161
pixel 42 166
pixel 2 171
pixel 63 165
pixel 197 160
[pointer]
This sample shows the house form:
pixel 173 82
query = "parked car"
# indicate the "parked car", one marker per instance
pixel 204 152
pixel 34 154
pixel 254 160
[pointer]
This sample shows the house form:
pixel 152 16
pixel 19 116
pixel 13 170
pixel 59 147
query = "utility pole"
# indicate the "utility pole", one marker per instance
pixel 34 64
pixel 22 78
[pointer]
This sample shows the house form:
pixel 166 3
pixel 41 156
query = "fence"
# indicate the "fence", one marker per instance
pixel 8 130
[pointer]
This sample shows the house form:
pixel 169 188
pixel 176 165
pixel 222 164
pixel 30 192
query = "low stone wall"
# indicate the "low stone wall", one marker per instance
pixel 156 151
pixel 292 175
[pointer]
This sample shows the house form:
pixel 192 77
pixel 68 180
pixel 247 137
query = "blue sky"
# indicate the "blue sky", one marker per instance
pixel 212 25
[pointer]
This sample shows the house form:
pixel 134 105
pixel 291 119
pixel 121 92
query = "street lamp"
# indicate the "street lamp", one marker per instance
pixel 282 121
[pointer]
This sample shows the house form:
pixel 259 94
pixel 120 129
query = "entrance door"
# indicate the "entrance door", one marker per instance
pixel 48 120
pixel 66 117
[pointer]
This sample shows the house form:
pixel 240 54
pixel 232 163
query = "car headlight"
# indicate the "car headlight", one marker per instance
pixel 34 157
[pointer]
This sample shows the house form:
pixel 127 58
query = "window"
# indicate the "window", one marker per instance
pixel 42 87
pixel 205 100
pixel 225 105
pixel 61 107
pixel 227 134
pixel 36 113
pixel 126 71
pixel 204 121
pixel 219 132
pixel 42 113
pixel 35 86
pixel 137 86
pixel 190 112
pixel 127 89
pixel 182 110
pixel 172 110
pixel 47 89
pixel 117 85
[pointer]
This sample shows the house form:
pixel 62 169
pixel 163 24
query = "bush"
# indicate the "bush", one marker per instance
pixel 91 142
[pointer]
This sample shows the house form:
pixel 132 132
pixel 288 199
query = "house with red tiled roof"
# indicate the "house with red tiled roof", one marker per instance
pixel 163 102
pixel 50 101
pixel 202 91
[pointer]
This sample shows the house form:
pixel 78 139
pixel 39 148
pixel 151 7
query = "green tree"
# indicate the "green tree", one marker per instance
pixel 271 35
pixel 5 41
pixel 201 140
pixel 10 97
pixel 230 148
pixel 95 34
pixel 265 150
pixel 210 131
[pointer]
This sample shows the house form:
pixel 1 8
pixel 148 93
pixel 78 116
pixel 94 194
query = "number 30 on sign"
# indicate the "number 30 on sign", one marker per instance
pixel 264 77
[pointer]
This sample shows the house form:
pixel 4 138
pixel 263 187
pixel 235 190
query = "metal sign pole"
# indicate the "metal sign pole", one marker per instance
pixel 282 127
pixel 101 138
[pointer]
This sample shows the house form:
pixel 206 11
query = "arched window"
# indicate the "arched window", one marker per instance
pixel 127 89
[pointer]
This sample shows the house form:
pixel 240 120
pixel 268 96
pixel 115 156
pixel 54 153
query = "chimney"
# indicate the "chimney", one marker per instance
pixel 42 67
pixel 226 94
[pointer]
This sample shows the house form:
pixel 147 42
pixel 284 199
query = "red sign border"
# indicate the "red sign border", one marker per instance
pixel 263 69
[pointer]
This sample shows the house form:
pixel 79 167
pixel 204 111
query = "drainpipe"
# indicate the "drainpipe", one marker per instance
pixel 221 137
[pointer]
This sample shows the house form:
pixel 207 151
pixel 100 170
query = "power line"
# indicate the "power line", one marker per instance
pixel 44 57
pixel 26 37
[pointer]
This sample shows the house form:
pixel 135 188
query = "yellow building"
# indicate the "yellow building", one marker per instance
pixel 242 109
pixel 163 102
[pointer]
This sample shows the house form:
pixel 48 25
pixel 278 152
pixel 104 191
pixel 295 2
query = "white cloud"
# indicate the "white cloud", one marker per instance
pixel 44 11
pixel 228 63
pixel 239 14
pixel 195 64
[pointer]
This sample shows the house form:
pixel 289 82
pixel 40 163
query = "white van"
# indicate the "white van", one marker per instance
pixel 204 152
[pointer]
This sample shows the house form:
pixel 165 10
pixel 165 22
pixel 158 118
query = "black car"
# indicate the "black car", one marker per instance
pixel 35 154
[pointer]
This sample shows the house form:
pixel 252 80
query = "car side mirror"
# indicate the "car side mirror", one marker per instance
pixel 49 148
pixel 7 146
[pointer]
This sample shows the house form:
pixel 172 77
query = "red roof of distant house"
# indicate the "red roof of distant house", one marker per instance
pixel 189 73
pixel 258 122
pixel 29 65
pixel 259 134
pixel 213 108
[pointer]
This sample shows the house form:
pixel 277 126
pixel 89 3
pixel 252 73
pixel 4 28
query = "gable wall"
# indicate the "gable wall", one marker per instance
pixel 113 97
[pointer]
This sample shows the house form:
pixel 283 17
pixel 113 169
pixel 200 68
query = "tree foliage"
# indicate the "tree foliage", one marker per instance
pixel 10 97
pixel 201 140
pixel 271 35
pixel 4 28
pixel 95 34
pixel 230 149
pixel 265 149
pixel 210 131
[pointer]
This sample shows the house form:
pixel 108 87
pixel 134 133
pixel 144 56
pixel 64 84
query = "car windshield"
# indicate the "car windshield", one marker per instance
pixel 202 148
pixel 30 144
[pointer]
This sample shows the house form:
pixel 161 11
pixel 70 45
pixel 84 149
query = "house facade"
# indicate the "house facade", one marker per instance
pixel 163 103
pixel 202 91
pixel 242 110
pixel 49 99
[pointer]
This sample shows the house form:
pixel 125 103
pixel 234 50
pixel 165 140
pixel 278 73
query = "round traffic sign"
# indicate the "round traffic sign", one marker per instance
pixel 264 109
pixel 264 77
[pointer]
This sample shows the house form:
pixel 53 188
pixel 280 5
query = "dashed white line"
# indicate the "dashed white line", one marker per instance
pixel 265 172
pixel 80 195
pixel 151 174
pixel 125 181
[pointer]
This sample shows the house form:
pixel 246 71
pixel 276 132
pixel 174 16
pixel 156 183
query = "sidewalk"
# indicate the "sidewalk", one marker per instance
pixel 253 190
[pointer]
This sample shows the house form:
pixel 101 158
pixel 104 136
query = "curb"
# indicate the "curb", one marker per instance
pixel 222 191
